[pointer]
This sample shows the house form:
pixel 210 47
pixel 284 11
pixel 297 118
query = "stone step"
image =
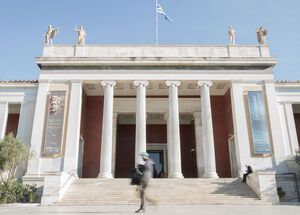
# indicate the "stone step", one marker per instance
pixel 160 191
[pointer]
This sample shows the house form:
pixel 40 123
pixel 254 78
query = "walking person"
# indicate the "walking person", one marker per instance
pixel 147 174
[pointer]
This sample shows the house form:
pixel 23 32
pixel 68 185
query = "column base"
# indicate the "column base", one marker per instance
pixel 211 175
pixel 176 175
pixel 105 175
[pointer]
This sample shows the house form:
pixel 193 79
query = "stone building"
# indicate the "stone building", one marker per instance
pixel 200 111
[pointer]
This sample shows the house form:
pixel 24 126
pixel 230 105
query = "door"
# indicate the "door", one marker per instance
pixel 159 168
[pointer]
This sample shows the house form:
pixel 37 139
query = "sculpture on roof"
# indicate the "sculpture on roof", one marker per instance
pixel 261 35
pixel 50 34
pixel 231 33
pixel 81 35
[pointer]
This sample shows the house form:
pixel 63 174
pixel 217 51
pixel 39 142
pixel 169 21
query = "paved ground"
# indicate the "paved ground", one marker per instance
pixel 156 209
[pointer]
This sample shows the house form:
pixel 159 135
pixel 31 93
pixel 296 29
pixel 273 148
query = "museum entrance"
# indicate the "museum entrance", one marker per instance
pixel 158 153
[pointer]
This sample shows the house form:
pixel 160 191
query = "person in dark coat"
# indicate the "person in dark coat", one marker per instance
pixel 147 174
pixel 249 170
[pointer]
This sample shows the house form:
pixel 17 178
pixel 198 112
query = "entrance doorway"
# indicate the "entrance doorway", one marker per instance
pixel 158 157
pixel 158 153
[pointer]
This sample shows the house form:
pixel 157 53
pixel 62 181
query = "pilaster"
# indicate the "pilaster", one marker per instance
pixel 199 144
pixel 276 130
pixel 3 118
pixel 38 128
pixel 241 135
pixel 73 129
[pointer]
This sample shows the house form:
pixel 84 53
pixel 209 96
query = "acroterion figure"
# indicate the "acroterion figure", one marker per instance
pixel 261 35
pixel 81 35
pixel 231 33
pixel 50 34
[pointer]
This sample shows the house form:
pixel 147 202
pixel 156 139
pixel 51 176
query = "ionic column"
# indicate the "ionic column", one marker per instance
pixel 3 118
pixel 208 134
pixel 199 144
pixel 173 131
pixel 114 143
pixel 107 130
pixel 140 126
pixel 166 117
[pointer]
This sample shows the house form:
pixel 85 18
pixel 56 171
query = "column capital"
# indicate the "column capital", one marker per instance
pixel 142 83
pixel 74 82
pixel 108 83
pixel 207 83
pixel 173 83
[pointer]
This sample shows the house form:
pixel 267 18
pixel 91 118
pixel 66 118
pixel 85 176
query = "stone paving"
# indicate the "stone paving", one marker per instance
pixel 155 209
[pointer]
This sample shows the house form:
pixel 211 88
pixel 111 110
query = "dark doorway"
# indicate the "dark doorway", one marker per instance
pixel 158 157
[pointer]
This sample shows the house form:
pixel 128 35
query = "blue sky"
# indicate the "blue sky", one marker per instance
pixel 200 22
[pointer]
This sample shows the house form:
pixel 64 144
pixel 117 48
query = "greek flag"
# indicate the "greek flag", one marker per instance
pixel 161 11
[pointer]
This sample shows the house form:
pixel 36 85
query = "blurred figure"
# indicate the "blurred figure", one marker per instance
pixel 147 174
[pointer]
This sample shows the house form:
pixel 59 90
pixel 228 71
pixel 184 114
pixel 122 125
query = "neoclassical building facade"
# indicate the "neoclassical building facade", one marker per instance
pixel 200 111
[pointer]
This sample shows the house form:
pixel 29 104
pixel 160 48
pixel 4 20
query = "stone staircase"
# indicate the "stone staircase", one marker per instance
pixel 160 191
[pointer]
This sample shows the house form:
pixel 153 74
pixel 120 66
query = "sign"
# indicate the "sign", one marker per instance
pixel 259 129
pixel 53 143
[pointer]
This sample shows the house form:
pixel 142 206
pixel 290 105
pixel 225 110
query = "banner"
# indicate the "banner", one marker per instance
pixel 259 129
pixel 53 143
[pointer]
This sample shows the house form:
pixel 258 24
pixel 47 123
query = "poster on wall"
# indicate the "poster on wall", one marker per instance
pixel 259 129
pixel 53 142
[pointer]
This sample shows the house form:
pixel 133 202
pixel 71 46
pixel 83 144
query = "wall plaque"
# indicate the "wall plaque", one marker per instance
pixel 259 129
pixel 53 142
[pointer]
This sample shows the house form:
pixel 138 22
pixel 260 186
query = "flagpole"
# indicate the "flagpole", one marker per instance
pixel 156 22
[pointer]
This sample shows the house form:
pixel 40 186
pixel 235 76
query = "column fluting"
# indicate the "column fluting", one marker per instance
pixel 208 134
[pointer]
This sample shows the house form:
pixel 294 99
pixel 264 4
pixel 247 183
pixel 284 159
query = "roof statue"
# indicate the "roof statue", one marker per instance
pixel 50 34
pixel 231 33
pixel 261 35
pixel 81 35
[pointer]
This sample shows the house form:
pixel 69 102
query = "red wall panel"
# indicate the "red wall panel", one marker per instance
pixel 188 157
pixel 125 150
pixel 220 136
pixel 92 130
pixel 12 123
pixel 155 134
pixel 297 122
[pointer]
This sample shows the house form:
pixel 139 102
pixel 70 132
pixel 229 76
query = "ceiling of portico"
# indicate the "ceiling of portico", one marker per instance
pixel 155 88
pixel 296 108
pixel 153 118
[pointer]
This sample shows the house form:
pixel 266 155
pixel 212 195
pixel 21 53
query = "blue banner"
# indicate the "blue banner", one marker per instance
pixel 259 129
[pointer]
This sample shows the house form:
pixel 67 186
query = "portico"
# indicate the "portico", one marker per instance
pixel 129 110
